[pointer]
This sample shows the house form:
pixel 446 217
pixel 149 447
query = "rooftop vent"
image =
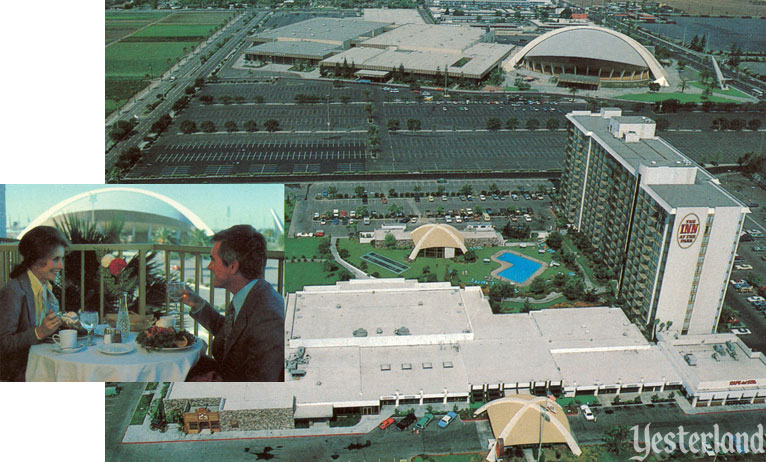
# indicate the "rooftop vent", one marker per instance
pixel 428 365
pixel 406 366
pixel 690 359
pixel 385 367
pixel 402 331
pixel 378 330
pixel 337 306
pixel 447 364
pixel 360 332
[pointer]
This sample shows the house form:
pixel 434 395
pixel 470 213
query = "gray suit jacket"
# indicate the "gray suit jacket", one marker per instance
pixel 256 351
pixel 17 326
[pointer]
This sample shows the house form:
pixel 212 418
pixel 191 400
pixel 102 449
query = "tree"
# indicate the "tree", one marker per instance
pixel 494 123
pixel 188 127
pixel 121 129
pixel 207 126
pixel 207 99
pixel 251 125
pixel 533 124
pixel 554 240
pixel 552 124
pixel 272 125
pixel 389 241
pixel 574 288
pixel 662 124
pixel 231 126
pixel 573 91
pixel 413 124
pixel 466 189
pixel 344 253
pixel 537 286
pixel 470 256
pixel 392 125
pixel 654 86
pixel 512 123
pixel 616 439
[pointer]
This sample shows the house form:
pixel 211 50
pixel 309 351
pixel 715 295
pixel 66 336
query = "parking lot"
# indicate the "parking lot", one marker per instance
pixel 313 201
pixel 453 132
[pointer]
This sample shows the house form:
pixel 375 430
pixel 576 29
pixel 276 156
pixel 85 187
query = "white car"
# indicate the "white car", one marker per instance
pixel 586 412
pixel 707 448
pixel 740 331
pixel 755 298
pixel 743 267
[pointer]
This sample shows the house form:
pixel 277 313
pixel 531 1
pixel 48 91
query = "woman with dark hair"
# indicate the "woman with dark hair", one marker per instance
pixel 28 308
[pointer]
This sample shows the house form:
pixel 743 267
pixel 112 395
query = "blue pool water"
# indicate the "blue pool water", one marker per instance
pixel 521 270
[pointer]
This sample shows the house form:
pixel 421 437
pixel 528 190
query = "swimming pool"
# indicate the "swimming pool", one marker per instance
pixel 521 267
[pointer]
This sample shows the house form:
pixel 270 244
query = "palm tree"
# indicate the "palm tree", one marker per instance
pixel 164 236
pixel 83 231
pixel 197 238
pixel 573 91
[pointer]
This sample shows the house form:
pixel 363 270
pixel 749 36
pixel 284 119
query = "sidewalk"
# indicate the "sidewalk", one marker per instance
pixel 358 274
pixel 143 434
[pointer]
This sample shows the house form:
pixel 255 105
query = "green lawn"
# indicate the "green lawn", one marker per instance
pixel 300 274
pixel 587 399
pixel 110 25
pixel 119 90
pixel 141 410
pixel 176 30
pixel 303 247
pixel 477 270
pixel 717 90
pixel 682 97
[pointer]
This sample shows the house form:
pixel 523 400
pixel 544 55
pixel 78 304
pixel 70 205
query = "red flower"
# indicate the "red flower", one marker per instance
pixel 116 266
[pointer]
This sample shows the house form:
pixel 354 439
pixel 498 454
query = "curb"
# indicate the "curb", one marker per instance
pixel 242 438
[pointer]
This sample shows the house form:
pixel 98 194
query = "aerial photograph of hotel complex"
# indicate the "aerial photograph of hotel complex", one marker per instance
pixel 514 230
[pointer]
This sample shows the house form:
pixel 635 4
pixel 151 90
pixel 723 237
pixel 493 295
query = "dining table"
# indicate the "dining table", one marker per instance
pixel 99 363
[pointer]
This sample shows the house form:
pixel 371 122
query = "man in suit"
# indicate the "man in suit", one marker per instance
pixel 249 340
pixel 28 308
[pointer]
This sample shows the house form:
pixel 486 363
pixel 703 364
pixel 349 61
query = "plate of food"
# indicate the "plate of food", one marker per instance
pixel 165 339
pixel 116 348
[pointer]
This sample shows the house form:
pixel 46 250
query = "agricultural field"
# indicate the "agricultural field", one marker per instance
pixel 143 45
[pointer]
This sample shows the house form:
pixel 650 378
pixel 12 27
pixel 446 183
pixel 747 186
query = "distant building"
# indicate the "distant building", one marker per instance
pixel 438 240
pixel 142 212
pixel 664 224
pixel 590 56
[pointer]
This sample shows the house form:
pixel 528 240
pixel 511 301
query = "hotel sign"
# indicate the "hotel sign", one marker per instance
pixel 688 230
pixel 743 382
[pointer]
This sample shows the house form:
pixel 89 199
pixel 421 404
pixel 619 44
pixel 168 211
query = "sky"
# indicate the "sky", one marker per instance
pixel 219 206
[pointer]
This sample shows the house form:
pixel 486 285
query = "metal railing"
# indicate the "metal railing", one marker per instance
pixel 9 257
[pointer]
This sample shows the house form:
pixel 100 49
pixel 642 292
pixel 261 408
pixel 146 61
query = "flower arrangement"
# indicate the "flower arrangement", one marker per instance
pixel 116 278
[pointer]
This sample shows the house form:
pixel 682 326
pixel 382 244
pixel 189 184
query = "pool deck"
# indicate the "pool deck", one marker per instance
pixel 505 265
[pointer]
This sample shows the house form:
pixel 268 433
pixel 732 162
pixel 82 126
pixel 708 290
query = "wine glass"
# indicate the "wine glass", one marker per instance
pixel 88 320
pixel 175 292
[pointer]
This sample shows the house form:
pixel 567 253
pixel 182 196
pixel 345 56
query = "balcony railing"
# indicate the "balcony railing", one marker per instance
pixel 9 257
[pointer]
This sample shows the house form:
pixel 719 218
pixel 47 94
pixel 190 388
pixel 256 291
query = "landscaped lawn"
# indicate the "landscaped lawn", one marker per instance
pixel 120 90
pixel 300 274
pixel 140 58
pixel 717 90
pixel 197 18
pixel 475 271
pixel 682 97
pixel 303 247
pixel 141 410
pixel 148 16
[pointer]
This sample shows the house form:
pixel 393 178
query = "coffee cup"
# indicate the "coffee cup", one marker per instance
pixel 65 339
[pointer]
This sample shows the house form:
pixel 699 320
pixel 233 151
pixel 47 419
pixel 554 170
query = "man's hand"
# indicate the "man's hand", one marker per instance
pixel 192 300
pixel 49 326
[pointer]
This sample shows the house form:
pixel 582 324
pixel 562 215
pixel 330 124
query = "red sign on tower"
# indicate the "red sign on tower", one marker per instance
pixel 688 230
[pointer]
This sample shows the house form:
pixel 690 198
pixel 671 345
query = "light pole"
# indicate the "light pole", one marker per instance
pixel 328 112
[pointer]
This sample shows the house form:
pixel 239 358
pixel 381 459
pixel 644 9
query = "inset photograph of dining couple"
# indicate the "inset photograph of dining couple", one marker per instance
pixel 165 283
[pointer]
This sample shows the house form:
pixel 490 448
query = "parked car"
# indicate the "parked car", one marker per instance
pixel 386 423
pixel 743 267
pixel 586 412
pixel 424 421
pixel 406 421
pixel 446 420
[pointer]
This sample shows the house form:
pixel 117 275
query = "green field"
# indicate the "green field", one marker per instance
pixel 131 55
pixel 197 18
pixel 175 30
pixel 136 16
pixel 301 274
pixel 682 97
pixel 303 247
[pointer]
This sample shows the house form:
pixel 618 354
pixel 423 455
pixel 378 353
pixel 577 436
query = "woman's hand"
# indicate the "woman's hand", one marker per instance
pixel 49 326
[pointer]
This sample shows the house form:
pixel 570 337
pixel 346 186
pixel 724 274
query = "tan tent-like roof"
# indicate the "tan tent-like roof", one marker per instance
pixel 436 235
pixel 517 420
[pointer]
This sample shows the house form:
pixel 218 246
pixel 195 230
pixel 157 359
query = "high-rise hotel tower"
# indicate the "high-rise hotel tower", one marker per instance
pixel 664 224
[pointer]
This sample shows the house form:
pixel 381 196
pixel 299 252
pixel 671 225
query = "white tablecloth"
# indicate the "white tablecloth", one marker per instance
pixel 90 365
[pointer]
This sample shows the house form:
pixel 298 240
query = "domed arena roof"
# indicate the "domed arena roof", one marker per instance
pixel 591 43
pixel 436 235
pixel 140 209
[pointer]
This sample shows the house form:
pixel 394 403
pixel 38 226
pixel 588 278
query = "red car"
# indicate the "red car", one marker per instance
pixel 386 423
